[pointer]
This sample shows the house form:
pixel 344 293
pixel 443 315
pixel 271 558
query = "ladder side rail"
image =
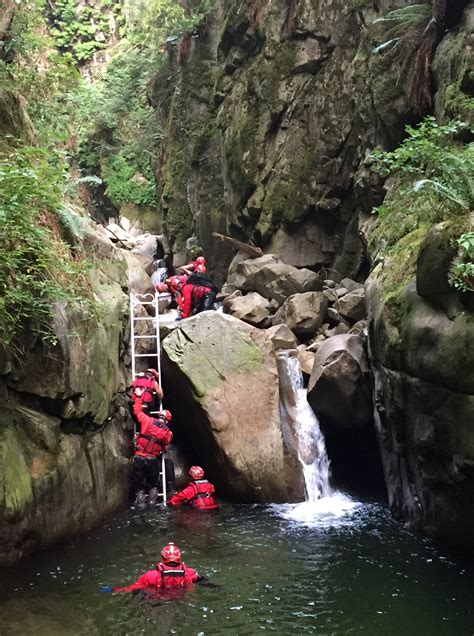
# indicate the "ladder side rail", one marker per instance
pixel 158 368
pixel 132 347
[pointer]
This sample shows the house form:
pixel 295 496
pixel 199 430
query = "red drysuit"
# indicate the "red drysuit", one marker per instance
pixel 199 493
pixel 154 436
pixel 163 577
pixel 190 297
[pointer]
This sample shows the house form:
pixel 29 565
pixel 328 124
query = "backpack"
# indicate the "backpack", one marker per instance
pixel 202 280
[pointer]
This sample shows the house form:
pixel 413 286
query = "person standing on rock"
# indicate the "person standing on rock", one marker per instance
pixel 170 573
pixel 199 493
pixel 152 440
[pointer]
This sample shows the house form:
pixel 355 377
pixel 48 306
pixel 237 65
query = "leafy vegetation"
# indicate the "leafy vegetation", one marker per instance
pixel 121 138
pixel 431 180
pixel 151 22
pixel 434 167
pixel 37 267
pixel 79 31
pixel 461 274
pixel 411 35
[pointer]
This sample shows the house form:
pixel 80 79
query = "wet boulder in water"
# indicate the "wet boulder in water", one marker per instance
pixel 221 383
pixel 339 390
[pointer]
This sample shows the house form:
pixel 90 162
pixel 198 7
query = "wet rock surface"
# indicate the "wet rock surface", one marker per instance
pixel 221 383
pixel 65 430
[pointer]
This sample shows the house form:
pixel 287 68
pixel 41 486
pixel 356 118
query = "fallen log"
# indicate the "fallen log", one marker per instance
pixel 253 252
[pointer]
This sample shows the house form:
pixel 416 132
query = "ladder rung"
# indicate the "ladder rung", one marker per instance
pixel 144 302
pixel 145 355
pixel 143 337
pixel 147 318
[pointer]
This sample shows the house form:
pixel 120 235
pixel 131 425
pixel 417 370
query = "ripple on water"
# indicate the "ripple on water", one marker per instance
pixel 335 566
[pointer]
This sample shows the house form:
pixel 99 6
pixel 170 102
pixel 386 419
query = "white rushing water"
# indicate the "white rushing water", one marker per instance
pixel 303 434
pixel 300 418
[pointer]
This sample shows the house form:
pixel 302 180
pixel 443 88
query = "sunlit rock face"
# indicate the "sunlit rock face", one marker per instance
pixel 221 382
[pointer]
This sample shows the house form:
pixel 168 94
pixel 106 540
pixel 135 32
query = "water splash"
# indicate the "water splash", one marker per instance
pixel 335 511
pixel 301 428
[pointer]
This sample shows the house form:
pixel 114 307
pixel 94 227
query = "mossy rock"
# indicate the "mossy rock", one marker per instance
pixel 16 491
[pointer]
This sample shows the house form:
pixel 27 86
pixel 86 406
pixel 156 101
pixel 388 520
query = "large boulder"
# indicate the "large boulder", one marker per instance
pixel 352 305
pixel 138 280
pixel 251 308
pixel 221 383
pixel 434 260
pixel 296 281
pixel 259 272
pixel 55 484
pixel 339 389
pixel 303 313
pixel 282 337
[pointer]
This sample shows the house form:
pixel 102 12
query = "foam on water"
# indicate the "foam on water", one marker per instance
pixel 335 510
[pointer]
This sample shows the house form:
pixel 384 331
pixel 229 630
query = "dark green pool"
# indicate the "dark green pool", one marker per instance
pixel 355 572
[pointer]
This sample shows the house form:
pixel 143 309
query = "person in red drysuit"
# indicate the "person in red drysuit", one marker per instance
pixel 192 299
pixel 199 265
pixel 199 493
pixel 170 573
pixel 152 440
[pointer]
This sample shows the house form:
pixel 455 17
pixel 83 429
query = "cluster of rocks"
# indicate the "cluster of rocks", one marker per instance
pixel 323 320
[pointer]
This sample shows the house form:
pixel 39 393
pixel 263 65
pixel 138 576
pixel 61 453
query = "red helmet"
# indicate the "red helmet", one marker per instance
pixel 171 553
pixel 196 472
pixel 200 268
pixel 166 414
pixel 175 282
pixel 154 372
pixel 200 260
pixel 161 288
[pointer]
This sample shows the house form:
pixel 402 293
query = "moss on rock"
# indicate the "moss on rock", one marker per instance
pixel 16 490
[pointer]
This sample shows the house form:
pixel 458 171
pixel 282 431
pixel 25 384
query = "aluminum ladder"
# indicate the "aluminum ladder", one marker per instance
pixel 136 301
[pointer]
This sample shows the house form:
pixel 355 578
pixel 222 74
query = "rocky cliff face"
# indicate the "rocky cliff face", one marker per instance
pixel 267 128
pixel 267 125
pixel 64 442
pixel 421 346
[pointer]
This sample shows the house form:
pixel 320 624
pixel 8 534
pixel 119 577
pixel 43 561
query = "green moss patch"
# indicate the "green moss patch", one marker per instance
pixel 15 481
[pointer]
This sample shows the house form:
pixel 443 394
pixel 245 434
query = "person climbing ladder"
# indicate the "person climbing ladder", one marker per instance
pixel 151 442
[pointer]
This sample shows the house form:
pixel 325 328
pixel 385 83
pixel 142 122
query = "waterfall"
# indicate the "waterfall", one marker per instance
pixel 301 428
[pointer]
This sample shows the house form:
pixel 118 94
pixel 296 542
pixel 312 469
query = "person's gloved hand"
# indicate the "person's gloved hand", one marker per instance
pixel 106 588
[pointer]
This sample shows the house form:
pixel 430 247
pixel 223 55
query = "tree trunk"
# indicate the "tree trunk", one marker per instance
pixel 253 252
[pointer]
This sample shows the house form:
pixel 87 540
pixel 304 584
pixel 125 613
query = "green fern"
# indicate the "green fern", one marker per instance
pixel 411 34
